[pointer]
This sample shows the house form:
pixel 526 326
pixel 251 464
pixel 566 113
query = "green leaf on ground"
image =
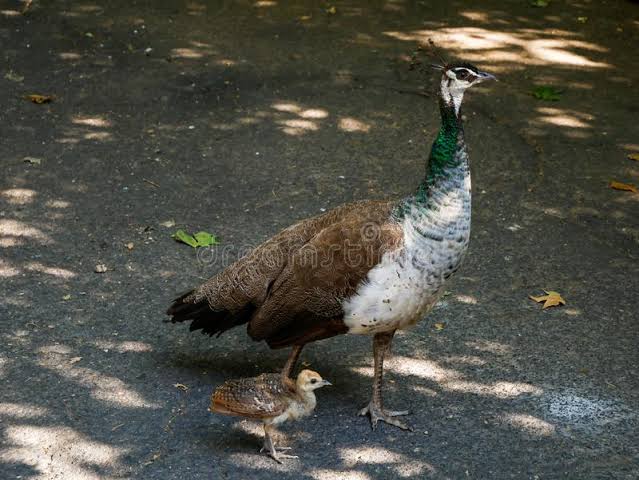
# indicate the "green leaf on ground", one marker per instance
pixel 205 239
pixel 546 92
pixel 182 236
pixel 200 239
pixel 540 3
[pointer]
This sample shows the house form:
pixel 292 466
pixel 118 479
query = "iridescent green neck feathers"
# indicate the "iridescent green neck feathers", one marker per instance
pixel 443 161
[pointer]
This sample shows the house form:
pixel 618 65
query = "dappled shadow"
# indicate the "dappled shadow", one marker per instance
pixel 242 117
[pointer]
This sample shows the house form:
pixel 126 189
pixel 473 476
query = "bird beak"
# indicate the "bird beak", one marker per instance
pixel 483 76
pixel 325 383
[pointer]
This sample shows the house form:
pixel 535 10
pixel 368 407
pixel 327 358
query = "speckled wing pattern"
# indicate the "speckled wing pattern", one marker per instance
pixel 264 396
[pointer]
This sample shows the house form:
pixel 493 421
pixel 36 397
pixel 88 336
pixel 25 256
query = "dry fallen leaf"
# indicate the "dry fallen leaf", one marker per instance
pixel 74 360
pixel 551 299
pixel 181 386
pixel 168 224
pixel 66 297
pixel 40 99
pixel 32 160
pixel 439 326
pixel 129 245
pixel 627 187
pixel 150 182
pixel 100 268
pixel 634 156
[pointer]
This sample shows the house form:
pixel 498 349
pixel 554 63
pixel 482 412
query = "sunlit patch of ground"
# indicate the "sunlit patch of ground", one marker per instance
pixel 58 359
pixel 512 49
pixel 402 465
pixel 452 380
pixel 528 423
pixel 59 452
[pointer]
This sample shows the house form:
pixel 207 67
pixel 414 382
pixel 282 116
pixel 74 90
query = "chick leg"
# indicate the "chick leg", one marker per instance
pixel 270 448
pixel 291 361
pixel 381 345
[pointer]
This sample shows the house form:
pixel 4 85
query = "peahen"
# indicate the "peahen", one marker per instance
pixel 367 268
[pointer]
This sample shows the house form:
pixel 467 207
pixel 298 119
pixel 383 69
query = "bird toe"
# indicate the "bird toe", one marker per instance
pixel 377 414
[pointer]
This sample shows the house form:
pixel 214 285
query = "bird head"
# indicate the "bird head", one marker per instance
pixel 463 75
pixel 456 78
pixel 308 380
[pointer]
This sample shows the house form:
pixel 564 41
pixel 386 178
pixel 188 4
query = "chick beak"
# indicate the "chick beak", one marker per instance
pixel 324 383
pixel 483 76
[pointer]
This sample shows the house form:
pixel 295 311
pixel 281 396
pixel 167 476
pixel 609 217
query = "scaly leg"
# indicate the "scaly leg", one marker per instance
pixel 270 448
pixel 291 361
pixel 381 344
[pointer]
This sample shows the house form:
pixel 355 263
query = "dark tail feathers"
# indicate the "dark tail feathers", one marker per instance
pixel 188 307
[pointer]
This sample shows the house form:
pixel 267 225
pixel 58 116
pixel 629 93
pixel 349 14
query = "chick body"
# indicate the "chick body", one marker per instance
pixel 271 398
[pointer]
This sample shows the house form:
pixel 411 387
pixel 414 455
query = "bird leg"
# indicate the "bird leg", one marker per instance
pixel 272 450
pixel 381 345
pixel 291 361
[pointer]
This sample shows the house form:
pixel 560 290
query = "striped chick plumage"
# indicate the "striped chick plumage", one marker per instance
pixel 271 398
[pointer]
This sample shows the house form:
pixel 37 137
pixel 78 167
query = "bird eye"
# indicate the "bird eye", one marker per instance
pixel 462 74
pixel 313 380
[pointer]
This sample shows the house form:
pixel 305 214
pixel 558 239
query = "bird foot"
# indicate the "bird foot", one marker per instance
pixel 377 413
pixel 277 449
pixel 279 456
pixel 275 454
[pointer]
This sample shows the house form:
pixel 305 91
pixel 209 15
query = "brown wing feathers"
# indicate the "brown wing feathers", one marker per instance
pixel 260 397
pixel 290 288
pixel 305 304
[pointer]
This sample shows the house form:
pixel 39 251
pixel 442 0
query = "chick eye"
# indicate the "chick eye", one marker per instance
pixel 313 380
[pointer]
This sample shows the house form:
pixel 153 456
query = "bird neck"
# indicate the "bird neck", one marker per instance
pixel 450 94
pixel 444 160
pixel 308 399
pixel 447 166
